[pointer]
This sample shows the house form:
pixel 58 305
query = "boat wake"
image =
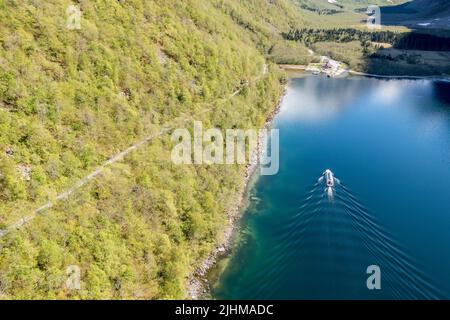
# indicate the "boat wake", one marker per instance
pixel 328 239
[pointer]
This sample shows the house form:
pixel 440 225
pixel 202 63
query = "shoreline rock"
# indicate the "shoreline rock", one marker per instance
pixel 197 281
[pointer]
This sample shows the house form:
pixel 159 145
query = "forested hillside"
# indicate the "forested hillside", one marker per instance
pixel 72 99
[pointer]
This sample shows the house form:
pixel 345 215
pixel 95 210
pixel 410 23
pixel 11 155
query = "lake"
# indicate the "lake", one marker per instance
pixel 388 143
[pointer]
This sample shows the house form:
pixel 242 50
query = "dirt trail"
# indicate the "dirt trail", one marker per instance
pixel 118 157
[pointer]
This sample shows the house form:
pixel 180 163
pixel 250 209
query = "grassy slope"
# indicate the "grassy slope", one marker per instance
pixel 70 99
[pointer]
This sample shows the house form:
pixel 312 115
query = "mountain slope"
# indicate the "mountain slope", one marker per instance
pixel 72 99
pixel 419 14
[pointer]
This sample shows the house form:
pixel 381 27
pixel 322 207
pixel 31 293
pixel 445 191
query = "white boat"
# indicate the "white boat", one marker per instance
pixel 329 176
pixel 330 182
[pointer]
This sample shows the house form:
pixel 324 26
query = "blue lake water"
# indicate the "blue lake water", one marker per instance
pixel 388 142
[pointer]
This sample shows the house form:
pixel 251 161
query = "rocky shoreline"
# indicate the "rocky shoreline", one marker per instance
pixel 198 282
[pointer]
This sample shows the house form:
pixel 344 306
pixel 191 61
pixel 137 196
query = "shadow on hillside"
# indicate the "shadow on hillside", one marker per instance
pixel 405 54
pixel 425 15
pixel 409 61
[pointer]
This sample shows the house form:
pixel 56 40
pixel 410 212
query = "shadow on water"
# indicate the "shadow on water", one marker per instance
pixel 441 90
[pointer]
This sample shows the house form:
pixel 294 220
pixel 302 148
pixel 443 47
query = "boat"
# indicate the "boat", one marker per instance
pixel 330 181
pixel 329 177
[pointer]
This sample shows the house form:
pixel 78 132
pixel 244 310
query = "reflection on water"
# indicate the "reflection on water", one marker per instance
pixel 389 142
pixel 302 99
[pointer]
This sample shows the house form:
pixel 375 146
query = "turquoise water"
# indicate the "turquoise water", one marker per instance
pixel 388 142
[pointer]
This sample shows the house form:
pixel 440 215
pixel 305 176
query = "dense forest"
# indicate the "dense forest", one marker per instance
pixel 70 99
pixel 399 40
pixel 320 11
